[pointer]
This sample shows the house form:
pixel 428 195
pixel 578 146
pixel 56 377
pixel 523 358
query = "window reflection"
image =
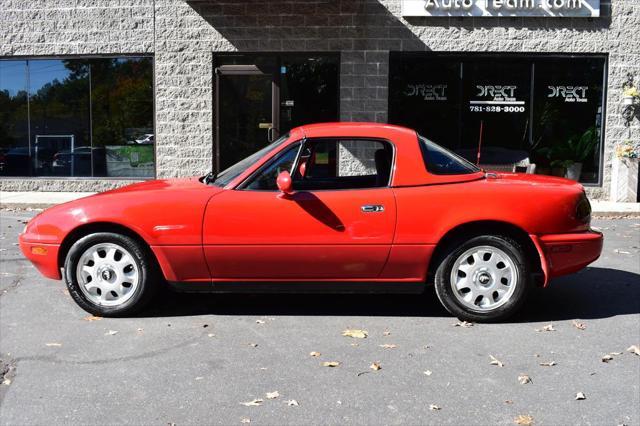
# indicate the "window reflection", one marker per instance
pixel 77 117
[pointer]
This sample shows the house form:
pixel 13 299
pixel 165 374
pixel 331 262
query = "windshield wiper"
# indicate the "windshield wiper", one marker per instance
pixel 210 177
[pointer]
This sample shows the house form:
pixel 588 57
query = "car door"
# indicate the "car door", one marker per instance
pixel 338 224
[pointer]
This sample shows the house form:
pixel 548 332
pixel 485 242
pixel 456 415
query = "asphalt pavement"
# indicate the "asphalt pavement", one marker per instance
pixel 238 359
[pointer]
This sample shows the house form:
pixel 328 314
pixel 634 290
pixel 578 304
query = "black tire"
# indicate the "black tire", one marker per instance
pixel 143 258
pixel 523 282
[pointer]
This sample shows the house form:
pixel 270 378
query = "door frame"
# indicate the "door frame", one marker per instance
pixel 245 70
pixel 251 69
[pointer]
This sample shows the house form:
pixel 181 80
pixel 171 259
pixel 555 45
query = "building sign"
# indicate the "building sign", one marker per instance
pixel 496 98
pixel 496 8
pixel 428 92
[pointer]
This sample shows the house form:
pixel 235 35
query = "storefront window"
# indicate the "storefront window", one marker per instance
pixel 538 113
pixel 76 117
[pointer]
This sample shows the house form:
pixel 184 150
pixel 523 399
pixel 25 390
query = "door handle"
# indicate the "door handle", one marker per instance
pixel 372 208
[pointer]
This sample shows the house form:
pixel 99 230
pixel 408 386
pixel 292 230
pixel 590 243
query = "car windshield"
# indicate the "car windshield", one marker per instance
pixel 227 175
pixel 441 161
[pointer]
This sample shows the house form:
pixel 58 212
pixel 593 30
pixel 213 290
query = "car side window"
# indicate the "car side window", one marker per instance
pixel 337 163
pixel 265 179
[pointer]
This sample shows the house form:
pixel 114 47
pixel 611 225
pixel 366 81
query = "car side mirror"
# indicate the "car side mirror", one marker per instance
pixel 284 182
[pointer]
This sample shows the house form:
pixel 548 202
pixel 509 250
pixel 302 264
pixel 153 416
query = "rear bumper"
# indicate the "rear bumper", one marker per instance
pixel 43 256
pixel 567 253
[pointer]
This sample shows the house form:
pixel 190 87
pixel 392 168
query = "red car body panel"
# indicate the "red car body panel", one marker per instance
pixel 206 234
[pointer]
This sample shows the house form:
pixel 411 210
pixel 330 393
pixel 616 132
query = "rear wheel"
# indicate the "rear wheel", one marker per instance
pixel 483 279
pixel 109 274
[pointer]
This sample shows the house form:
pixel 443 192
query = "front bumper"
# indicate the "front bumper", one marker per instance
pixel 568 253
pixel 43 256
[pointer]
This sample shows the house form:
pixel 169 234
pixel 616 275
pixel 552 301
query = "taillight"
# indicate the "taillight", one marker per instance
pixel 583 209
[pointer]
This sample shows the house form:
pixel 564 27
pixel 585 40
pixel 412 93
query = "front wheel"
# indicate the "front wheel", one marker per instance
pixel 109 274
pixel 483 279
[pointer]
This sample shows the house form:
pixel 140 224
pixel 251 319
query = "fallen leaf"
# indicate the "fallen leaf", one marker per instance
pixel 331 364
pixel 260 321
pixel 53 344
pixel 463 324
pixel 6 382
pixel 375 366
pixel 92 318
pixel 140 330
pixel 292 403
pixel 253 345
pixel 427 373
pixel 578 325
pixel 355 333
pixel 388 346
pixel 615 353
pixel 634 349
pixel 199 378
pixel 434 407
pixel 254 403
pixel 548 364
pixel 273 395
pixel 355 344
pixel 245 420
pixel 386 333
pixel 111 333
pixel 580 396
pixel 211 335
pixel 508 401
pixel 546 328
pixel 607 358
pixel 621 251
pixel 524 420
pixel 524 379
pixel 314 353
pixel 495 361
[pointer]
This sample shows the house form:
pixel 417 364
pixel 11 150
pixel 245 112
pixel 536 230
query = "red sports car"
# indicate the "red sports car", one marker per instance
pixel 339 207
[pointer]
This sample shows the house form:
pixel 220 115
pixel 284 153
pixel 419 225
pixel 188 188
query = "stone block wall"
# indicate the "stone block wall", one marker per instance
pixel 184 36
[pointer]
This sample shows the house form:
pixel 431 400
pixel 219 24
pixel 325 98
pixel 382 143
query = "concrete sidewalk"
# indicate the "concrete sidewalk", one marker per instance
pixel 39 200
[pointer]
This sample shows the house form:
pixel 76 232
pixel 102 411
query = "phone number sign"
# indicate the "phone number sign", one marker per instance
pixel 497 8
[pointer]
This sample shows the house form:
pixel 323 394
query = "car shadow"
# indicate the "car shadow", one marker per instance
pixel 591 294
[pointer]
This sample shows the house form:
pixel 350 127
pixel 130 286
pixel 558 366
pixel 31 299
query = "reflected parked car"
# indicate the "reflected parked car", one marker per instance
pixel 77 162
pixel 145 139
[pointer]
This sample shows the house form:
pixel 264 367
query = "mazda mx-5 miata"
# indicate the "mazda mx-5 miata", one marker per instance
pixel 336 207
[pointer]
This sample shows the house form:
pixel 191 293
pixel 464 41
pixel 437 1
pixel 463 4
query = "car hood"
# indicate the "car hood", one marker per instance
pixel 158 185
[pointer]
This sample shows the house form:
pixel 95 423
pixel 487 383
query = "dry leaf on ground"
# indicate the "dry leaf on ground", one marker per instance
pixel 6 382
pixel 524 420
pixel 463 324
pixel 260 321
pixel 254 403
pixel 386 333
pixel 388 346
pixel 111 333
pixel 211 335
pixel 615 353
pixel 331 364
pixel 548 327
pixel 140 330
pixel 434 407
pixel 355 333
pixel 523 379
pixel 314 353
pixel 578 325
pixel 292 403
pixel 580 396
pixel 273 395
pixel 53 344
pixel 495 361
pixel 375 366
pixel 245 420
pixel 427 373
pixel 607 358
pixel 634 349
pixel 92 318
pixel 548 364
pixel 253 345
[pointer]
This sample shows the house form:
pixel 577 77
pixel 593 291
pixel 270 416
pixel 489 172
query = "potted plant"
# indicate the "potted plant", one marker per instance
pixel 629 95
pixel 567 158
pixel 624 172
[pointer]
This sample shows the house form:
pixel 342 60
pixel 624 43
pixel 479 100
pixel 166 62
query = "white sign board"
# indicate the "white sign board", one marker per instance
pixel 496 8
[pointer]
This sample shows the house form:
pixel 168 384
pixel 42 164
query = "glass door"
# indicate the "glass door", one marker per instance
pixel 246 112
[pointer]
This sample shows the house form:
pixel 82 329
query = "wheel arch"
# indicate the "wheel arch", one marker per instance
pixel 489 227
pixel 94 227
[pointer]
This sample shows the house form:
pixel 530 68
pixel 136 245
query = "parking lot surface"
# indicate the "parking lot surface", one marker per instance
pixel 238 359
